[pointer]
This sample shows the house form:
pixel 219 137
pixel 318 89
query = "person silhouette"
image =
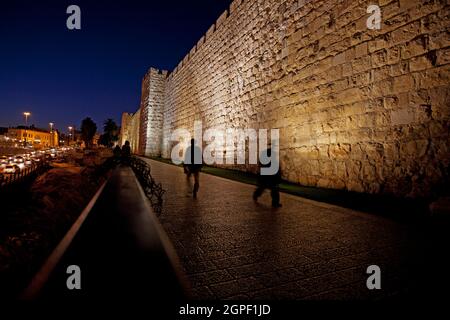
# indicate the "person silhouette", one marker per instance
pixel 193 163
pixel 126 152
pixel 268 182
pixel 117 152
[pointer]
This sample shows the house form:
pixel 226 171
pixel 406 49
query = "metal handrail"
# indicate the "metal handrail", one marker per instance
pixel 153 190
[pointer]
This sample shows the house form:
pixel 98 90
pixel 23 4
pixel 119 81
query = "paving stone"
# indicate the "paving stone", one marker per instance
pixel 250 269
pixel 203 293
pixel 209 277
pixel 235 287
pixel 322 283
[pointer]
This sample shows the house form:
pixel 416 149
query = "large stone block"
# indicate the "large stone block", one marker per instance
pixel 402 116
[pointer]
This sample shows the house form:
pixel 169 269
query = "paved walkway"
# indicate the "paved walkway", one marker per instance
pixel 233 248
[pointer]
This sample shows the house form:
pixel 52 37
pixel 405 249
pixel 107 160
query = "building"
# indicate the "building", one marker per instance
pixel 38 138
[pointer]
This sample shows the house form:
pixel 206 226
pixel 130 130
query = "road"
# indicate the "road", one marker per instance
pixel 233 248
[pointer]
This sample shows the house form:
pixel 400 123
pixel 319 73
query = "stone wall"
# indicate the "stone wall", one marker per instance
pixel 135 131
pixel 125 127
pixel 152 101
pixel 130 130
pixel 358 109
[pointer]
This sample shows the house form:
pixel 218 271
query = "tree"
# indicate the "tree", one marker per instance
pixel 110 133
pixel 88 130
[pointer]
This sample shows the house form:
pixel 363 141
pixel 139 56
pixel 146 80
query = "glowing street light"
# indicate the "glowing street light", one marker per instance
pixel 70 133
pixel 51 133
pixel 26 114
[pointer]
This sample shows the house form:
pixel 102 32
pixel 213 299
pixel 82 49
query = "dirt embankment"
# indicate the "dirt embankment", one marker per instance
pixel 6 150
pixel 37 216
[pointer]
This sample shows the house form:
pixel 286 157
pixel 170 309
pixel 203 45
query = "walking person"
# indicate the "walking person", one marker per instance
pixel 126 152
pixel 117 152
pixel 268 182
pixel 193 163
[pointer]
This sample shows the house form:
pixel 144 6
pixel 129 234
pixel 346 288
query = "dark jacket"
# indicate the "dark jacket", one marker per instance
pixel 193 159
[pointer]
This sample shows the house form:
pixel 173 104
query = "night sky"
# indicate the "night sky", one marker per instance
pixel 63 76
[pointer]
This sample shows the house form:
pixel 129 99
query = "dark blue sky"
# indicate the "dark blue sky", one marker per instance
pixel 63 76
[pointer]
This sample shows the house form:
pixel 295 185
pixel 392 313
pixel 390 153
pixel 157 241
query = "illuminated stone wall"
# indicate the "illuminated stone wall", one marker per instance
pixel 358 109
pixel 130 130
pixel 152 102
pixel 134 132
pixel 125 127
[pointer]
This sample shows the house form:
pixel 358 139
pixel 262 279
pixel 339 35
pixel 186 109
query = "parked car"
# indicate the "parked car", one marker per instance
pixel 28 162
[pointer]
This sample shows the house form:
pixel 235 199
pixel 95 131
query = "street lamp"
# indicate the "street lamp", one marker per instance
pixel 26 114
pixel 51 133
pixel 70 133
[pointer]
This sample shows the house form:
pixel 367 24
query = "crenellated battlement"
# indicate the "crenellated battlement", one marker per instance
pixel 207 36
pixel 155 72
